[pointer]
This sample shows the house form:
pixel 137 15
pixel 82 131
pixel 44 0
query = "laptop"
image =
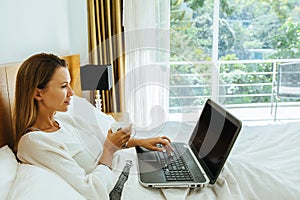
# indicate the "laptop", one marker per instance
pixel 197 163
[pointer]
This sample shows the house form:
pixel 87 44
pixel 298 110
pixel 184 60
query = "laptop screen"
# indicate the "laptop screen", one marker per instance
pixel 213 138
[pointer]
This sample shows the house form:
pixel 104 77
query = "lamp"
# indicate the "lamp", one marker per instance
pixel 96 77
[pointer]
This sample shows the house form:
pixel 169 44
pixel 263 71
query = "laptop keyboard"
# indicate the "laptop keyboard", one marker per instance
pixel 174 166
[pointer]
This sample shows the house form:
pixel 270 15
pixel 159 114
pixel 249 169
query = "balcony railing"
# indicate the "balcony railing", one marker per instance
pixel 234 83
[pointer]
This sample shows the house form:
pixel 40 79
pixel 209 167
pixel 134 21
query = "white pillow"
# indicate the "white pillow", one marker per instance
pixel 88 120
pixel 8 170
pixel 84 110
pixel 35 183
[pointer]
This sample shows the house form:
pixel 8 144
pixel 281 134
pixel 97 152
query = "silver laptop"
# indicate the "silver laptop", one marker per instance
pixel 197 163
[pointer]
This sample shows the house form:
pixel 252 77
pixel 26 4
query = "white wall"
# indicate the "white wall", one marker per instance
pixel 34 26
pixel 78 29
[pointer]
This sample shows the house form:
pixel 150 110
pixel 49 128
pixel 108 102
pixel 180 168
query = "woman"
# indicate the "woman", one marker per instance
pixel 42 89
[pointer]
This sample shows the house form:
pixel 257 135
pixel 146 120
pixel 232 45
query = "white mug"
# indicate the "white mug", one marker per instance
pixel 116 126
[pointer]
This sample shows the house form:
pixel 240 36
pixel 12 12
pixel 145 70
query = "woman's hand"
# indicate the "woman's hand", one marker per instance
pixel 151 144
pixel 115 141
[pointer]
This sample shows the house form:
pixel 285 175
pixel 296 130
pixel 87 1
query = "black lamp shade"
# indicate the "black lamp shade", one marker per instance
pixel 96 77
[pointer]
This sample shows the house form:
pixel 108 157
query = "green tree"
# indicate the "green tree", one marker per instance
pixel 244 25
pixel 287 40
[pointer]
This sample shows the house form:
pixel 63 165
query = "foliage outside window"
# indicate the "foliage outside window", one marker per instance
pixel 248 30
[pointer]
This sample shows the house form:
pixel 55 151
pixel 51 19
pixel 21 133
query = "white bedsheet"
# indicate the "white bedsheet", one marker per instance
pixel 264 164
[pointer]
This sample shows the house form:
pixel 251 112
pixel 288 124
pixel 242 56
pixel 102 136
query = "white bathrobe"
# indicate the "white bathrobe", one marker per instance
pixel 73 151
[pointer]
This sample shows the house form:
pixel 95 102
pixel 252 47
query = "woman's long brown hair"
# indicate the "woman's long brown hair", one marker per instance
pixel 35 72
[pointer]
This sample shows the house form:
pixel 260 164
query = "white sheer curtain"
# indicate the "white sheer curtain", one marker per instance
pixel 146 26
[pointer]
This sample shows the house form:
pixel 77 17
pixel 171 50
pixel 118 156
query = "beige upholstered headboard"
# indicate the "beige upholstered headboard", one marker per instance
pixel 8 74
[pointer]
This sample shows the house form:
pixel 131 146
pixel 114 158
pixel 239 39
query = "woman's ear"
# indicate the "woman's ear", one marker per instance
pixel 37 94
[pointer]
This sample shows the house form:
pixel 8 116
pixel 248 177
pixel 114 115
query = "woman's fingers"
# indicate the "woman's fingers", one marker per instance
pixel 166 138
pixel 165 141
pixel 118 139
pixel 122 138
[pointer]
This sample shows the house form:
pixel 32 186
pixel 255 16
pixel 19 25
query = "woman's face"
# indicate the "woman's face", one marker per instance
pixel 56 96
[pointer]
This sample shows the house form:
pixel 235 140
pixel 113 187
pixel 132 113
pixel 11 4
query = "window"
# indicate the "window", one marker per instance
pixel 228 50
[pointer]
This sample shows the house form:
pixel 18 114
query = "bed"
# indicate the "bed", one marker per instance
pixel 264 163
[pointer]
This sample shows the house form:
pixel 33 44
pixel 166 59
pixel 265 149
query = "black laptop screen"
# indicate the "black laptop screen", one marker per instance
pixel 213 137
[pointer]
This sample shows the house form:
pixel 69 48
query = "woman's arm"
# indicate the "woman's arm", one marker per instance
pixel 41 150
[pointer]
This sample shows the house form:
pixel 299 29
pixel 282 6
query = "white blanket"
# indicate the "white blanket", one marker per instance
pixel 264 164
